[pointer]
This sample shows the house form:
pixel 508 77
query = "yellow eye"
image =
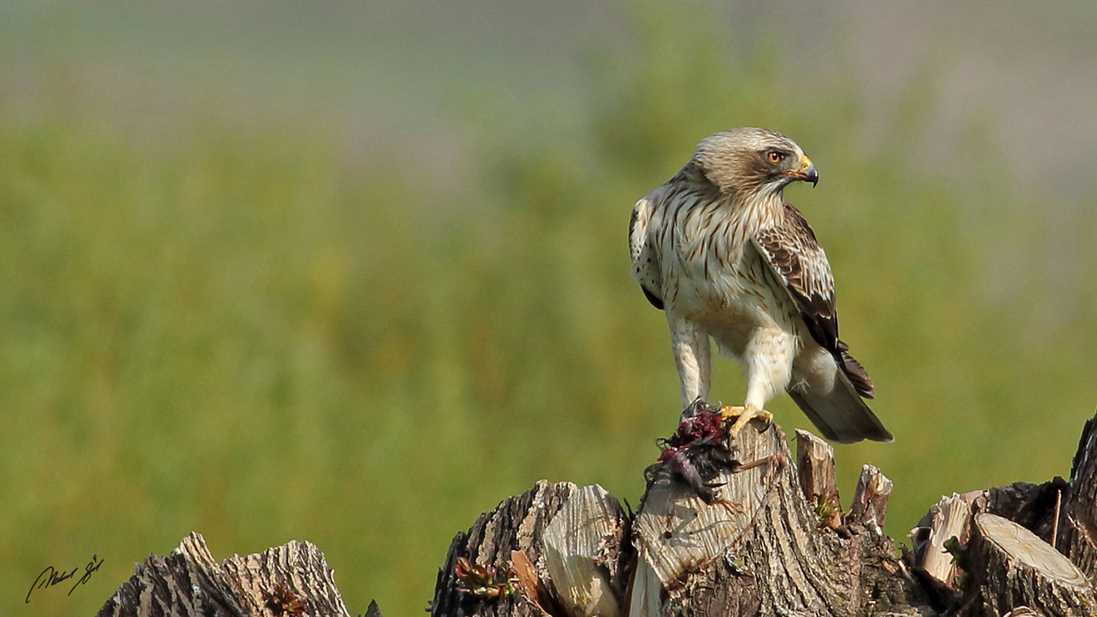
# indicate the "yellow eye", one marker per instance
pixel 776 157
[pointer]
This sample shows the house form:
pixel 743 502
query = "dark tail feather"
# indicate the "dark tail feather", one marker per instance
pixel 857 374
pixel 841 415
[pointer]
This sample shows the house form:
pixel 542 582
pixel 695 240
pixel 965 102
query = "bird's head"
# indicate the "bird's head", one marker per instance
pixel 751 160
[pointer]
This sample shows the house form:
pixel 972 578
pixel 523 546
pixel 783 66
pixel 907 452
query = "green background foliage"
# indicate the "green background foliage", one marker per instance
pixel 244 328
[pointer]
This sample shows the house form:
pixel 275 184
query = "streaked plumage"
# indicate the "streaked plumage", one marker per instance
pixel 725 256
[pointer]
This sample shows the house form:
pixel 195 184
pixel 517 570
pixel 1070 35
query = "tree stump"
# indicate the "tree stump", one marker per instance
pixel 948 520
pixel 293 579
pixel 582 551
pixel 870 500
pixel 508 547
pixel 741 538
pixel 723 529
pixel 1078 513
pixel 755 550
pixel 815 465
pixel 1013 567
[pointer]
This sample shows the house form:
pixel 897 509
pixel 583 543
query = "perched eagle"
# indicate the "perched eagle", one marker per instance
pixel 720 250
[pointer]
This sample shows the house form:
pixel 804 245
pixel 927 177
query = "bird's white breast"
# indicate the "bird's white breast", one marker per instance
pixel 715 278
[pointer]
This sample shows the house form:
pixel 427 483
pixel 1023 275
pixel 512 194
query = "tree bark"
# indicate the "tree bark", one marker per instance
pixel 870 500
pixel 294 579
pixel 1077 520
pixel 723 529
pixel 513 532
pixel 1012 567
pixel 759 549
pixel 818 481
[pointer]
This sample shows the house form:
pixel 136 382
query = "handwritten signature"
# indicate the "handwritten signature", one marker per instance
pixel 51 576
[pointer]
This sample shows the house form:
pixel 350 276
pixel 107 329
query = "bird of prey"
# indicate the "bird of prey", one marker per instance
pixel 725 256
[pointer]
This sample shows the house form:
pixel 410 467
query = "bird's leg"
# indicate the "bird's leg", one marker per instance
pixel 768 360
pixel 742 415
pixel 693 356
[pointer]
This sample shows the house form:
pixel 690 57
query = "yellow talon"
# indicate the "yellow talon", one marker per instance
pixel 742 415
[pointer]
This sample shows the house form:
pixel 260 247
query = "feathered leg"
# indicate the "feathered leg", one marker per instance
pixel 768 363
pixel 693 355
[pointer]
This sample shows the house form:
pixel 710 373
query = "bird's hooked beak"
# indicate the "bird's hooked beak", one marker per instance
pixel 806 172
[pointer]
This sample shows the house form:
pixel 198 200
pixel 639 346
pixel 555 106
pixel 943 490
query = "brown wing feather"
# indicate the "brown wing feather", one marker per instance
pixel 801 264
pixel 797 258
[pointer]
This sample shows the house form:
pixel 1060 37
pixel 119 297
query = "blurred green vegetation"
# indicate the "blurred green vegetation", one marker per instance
pixel 248 331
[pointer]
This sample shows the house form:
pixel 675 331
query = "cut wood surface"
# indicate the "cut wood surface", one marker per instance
pixel 581 553
pixel 949 519
pixel 1012 567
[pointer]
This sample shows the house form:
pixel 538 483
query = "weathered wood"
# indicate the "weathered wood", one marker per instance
pixel 949 519
pixel 1022 611
pixel 818 481
pixel 1029 505
pixel 189 583
pixel 677 534
pixel 1078 519
pixel 870 500
pixel 1012 567
pixel 516 524
pixel 723 529
pixel 757 549
pixel 1058 512
pixel 582 553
